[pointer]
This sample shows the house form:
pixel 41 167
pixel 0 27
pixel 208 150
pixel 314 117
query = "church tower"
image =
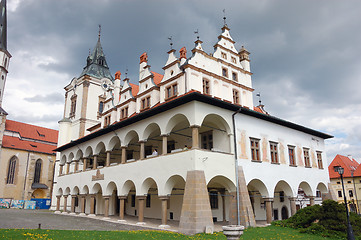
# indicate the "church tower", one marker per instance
pixel 4 65
pixel 4 54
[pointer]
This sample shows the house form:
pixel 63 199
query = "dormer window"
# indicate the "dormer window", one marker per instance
pixel 145 103
pixel 225 72
pixel 124 113
pixel 172 91
pixel 101 61
pixel 224 55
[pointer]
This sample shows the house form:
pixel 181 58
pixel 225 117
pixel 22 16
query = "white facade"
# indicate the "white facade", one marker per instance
pixel 185 116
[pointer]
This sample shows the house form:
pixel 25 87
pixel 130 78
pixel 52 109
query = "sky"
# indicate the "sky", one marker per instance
pixel 305 55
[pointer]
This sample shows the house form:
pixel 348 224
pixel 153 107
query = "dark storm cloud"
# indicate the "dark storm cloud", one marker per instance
pixel 304 54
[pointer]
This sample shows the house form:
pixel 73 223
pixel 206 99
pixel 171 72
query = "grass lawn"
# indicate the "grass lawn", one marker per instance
pixel 271 232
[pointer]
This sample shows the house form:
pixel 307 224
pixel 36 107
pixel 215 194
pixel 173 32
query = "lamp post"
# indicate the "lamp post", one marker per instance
pixel 350 235
pixel 354 187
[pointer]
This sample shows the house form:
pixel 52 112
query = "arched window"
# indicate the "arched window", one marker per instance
pixel 11 171
pixel 37 171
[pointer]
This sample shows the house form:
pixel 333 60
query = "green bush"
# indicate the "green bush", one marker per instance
pixel 328 220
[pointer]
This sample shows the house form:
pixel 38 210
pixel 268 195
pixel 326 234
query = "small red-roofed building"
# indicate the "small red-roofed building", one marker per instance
pixel 27 161
pixel 351 180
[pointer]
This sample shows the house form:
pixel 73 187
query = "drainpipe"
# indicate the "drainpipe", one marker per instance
pixel 236 165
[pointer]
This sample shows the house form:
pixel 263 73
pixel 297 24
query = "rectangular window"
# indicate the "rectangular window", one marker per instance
pixel 145 103
pixel 255 149
pixel 106 121
pixel 224 55
pixel 124 113
pixel 147 201
pixel 73 106
pixel 235 96
pixel 234 76
pixel 318 193
pixel 213 199
pixel 225 72
pixel 291 154
pixel 234 60
pixel 206 89
pixel 339 193
pixel 319 160
pixel 350 193
pixel 306 156
pixel 274 152
pixel 171 91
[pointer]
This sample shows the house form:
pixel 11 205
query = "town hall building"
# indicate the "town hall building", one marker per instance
pixel 186 144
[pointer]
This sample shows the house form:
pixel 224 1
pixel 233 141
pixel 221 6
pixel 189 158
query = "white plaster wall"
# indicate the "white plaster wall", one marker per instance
pixel 271 174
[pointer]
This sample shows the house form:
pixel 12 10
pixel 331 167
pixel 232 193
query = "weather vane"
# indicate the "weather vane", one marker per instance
pixel 197 33
pixel 100 29
pixel 259 98
pixel 171 43
pixel 224 17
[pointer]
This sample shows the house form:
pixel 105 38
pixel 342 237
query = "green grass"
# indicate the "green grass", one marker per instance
pixel 271 232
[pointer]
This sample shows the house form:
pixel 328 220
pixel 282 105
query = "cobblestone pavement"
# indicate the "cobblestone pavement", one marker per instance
pixel 19 218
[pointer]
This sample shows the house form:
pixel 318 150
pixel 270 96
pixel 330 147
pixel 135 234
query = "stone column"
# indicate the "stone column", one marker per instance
pixel 67 168
pixel 124 154
pixel 122 207
pixel 92 204
pixel 82 205
pixel 164 144
pixel 58 203
pixel 195 136
pixel 106 206
pixel 84 164
pixel 142 146
pixel 65 202
pixel 107 162
pixel 95 162
pixel 293 205
pixel 223 205
pixel 76 167
pixel 268 203
pixel 141 204
pixel 312 200
pixel 72 208
pixel 61 169
pixel 164 200
pixel 196 214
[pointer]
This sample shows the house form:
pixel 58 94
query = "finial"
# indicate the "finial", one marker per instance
pixel 224 17
pixel 126 72
pixel 89 52
pixel 259 98
pixel 100 29
pixel 197 33
pixel 171 43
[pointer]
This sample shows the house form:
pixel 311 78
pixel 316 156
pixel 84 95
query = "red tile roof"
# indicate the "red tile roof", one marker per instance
pixel 358 171
pixel 31 131
pixel 344 162
pixel 157 78
pixel 16 143
pixel 135 89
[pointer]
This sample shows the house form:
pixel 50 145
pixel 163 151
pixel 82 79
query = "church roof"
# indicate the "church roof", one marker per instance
pixel 3 29
pixel 96 64
pixel 31 131
pixel 29 137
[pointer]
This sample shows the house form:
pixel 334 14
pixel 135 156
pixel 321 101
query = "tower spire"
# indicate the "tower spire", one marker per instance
pixel 3 25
